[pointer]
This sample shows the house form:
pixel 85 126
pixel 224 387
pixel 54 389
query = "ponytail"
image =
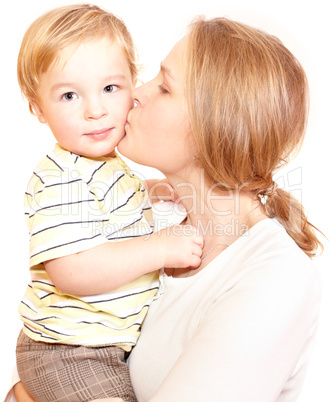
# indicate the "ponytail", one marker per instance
pixel 290 213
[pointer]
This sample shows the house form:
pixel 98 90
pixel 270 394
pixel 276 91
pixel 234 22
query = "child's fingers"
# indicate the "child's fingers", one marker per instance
pixel 195 262
pixel 197 250
pixel 199 240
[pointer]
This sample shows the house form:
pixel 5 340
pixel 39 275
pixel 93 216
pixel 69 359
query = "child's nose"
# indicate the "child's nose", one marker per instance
pixel 95 109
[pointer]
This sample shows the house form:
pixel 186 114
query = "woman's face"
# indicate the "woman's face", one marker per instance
pixel 158 132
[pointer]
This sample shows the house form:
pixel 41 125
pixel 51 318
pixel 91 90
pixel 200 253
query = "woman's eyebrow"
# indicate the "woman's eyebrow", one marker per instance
pixel 165 70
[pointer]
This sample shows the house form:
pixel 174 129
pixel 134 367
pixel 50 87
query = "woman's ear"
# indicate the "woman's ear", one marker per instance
pixel 38 112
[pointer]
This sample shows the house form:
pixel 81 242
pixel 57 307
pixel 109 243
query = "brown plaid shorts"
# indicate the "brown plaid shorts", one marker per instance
pixel 57 372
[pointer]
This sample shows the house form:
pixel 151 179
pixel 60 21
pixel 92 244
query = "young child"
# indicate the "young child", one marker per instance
pixel 89 290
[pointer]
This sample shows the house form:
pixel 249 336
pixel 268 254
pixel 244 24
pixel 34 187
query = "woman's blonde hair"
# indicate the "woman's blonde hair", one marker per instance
pixel 248 104
pixel 62 27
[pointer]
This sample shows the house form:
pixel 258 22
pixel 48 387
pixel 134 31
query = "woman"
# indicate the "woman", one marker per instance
pixel 227 109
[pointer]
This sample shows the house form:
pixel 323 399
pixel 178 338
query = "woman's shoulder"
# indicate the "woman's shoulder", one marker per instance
pixel 267 258
pixel 273 262
pixel 268 240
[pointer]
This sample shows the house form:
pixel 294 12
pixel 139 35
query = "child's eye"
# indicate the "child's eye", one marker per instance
pixel 69 96
pixel 110 88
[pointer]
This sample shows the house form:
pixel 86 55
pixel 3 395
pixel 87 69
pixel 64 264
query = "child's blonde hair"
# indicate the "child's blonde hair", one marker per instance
pixel 248 104
pixel 62 27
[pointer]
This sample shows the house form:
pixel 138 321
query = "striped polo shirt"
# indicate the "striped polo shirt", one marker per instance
pixel 74 203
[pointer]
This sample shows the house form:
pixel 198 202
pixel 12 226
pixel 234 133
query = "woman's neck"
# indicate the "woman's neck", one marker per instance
pixel 220 216
pixel 210 204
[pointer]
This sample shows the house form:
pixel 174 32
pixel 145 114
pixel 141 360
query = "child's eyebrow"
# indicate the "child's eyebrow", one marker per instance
pixel 60 85
pixel 116 77
pixel 108 80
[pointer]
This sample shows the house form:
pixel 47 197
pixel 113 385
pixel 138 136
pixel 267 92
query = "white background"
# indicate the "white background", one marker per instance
pixel 155 27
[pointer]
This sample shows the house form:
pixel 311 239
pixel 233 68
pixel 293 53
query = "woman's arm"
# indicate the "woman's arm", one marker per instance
pixel 113 264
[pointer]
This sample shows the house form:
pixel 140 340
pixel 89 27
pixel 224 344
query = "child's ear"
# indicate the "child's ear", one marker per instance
pixel 38 112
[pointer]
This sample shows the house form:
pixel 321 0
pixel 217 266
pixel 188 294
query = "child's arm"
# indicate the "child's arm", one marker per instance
pixel 113 264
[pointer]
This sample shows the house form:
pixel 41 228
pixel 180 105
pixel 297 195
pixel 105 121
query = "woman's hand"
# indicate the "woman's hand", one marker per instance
pixel 109 400
pixel 21 393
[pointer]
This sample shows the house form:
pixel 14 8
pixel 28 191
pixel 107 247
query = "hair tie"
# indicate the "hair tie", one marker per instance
pixel 268 192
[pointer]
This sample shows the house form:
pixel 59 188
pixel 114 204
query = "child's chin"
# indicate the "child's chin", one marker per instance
pixel 122 145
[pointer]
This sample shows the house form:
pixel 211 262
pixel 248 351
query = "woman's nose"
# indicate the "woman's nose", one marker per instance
pixel 95 109
pixel 141 95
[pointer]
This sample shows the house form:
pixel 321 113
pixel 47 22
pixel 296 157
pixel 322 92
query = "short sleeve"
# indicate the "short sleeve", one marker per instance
pixel 62 215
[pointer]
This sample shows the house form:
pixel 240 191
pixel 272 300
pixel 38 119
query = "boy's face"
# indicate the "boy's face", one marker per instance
pixel 85 97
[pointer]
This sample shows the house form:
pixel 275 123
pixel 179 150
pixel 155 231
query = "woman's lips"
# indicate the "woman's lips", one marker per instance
pixel 99 134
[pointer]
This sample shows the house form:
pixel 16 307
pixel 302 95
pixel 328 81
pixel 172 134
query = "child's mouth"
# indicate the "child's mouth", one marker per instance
pixel 99 134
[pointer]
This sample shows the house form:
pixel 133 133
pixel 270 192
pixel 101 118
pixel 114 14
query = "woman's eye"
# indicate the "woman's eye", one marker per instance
pixel 163 90
pixel 69 96
pixel 110 88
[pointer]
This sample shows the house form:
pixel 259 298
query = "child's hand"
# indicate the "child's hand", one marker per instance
pixel 181 246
